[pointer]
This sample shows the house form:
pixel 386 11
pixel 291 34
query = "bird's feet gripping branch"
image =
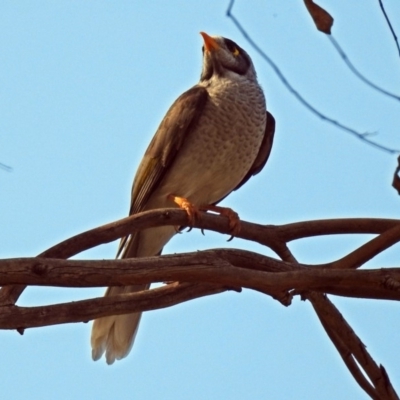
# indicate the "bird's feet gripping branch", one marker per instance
pixel 193 212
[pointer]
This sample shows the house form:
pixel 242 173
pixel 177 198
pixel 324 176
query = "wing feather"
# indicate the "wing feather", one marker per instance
pixel 167 141
pixel 171 134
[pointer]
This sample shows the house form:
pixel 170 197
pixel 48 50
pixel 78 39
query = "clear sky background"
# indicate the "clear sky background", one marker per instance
pixel 83 87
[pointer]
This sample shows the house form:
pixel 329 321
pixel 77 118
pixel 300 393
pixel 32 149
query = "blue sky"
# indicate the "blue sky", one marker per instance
pixel 84 86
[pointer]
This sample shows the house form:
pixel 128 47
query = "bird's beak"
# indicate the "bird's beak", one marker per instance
pixel 209 43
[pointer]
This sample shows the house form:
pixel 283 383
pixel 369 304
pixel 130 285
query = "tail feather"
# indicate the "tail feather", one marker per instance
pixel 115 335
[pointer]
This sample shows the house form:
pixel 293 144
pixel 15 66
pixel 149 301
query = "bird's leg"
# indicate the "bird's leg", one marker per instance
pixel 191 210
pixel 234 220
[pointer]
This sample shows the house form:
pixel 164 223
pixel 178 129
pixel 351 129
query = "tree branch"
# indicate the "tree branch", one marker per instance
pixel 358 74
pixel 13 317
pixel 226 267
pixel 341 333
pixel 359 135
pixel 213 271
pixel 390 26
pixel 369 250
pixel 271 236
pixel 6 167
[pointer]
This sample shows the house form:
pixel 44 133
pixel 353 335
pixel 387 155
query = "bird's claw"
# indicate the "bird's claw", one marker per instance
pixel 192 211
pixel 234 220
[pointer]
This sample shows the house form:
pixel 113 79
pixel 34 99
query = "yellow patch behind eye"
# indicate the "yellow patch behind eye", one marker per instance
pixel 236 52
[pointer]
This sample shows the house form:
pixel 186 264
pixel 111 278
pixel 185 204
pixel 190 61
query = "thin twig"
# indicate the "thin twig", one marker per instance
pixel 5 167
pixel 356 72
pixel 390 26
pixel 361 136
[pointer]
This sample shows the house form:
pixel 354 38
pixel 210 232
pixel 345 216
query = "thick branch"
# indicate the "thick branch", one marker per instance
pixel 340 226
pixel 227 268
pixel 274 237
pixel 231 268
pixel 369 250
pixel 13 317
pixel 334 325
pixel 341 333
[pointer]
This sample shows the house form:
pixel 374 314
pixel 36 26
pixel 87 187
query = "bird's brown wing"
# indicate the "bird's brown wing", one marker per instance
pixel 263 153
pixel 179 120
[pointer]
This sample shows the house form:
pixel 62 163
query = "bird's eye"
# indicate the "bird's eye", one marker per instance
pixel 232 47
pixel 202 49
pixel 236 52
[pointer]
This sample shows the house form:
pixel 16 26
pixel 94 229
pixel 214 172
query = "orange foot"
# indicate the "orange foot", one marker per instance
pixel 234 220
pixel 191 210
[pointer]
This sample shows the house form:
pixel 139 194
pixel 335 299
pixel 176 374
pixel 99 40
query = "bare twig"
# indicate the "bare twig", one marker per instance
pixel 390 26
pixel 357 73
pixel 359 135
pixel 5 167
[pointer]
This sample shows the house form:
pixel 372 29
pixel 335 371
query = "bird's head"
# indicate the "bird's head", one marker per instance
pixel 222 57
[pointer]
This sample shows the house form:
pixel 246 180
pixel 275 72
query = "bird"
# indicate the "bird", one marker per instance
pixel 212 140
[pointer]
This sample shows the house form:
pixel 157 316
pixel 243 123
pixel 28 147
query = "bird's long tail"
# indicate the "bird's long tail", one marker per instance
pixel 114 335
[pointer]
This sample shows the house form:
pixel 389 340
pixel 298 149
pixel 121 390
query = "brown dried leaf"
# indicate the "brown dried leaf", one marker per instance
pixel 396 177
pixel 322 19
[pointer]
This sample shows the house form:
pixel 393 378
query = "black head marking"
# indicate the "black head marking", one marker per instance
pixel 231 45
pixel 230 57
pixel 242 63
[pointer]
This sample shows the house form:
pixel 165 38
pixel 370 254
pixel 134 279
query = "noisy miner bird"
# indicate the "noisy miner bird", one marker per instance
pixel 213 139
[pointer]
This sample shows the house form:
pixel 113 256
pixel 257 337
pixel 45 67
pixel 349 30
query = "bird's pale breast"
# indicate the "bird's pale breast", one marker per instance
pixel 221 149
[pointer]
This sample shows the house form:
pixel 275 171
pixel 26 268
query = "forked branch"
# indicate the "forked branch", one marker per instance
pixel 211 272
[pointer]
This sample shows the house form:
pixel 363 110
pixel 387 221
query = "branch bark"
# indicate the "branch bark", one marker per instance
pixel 214 271
pixel 274 237
pixel 20 318
pixel 227 267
